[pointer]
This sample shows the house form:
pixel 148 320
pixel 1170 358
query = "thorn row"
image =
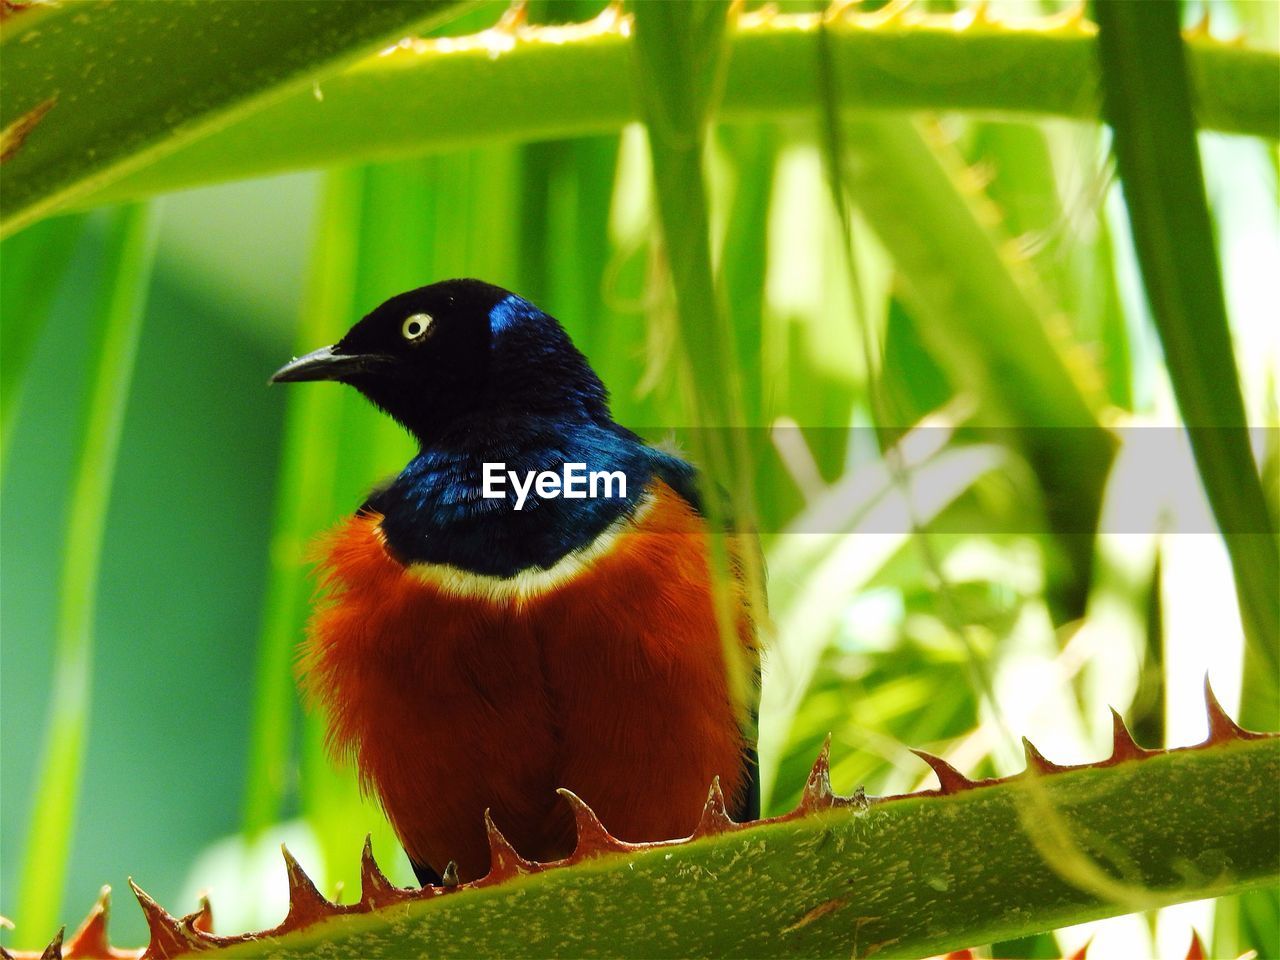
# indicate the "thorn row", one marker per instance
pixel 512 27
pixel 1124 748
pixel 172 937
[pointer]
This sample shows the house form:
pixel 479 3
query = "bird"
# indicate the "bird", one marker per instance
pixel 473 653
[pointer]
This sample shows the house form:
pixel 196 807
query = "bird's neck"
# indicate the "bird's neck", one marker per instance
pixel 470 499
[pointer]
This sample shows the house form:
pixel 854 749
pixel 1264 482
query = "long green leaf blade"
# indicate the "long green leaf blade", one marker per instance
pixel 305 505
pixel 984 315
pixel 96 90
pixel 679 82
pixel 126 271
pixel 1149 106
pixel 31 266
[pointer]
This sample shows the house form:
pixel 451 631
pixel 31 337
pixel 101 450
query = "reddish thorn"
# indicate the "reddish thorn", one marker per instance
pixel 1123 746
pixel 306 903
pixel 54 950
pixel 91 939
pixel 375 889
pixel 1195 949
pixel 202 919
pixel 715 813
pixel 504 861
pixel 167 939
pixel 1221 727
pixel 593 838
pixel 197 927
pixel 1083 952
pixel 1036 760
pixel 950 780
pixel 817 793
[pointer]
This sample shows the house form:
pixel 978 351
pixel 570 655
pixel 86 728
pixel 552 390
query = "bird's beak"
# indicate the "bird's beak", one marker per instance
pixel 324 364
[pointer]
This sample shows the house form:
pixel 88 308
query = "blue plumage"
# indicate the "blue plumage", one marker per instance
pixel 434 512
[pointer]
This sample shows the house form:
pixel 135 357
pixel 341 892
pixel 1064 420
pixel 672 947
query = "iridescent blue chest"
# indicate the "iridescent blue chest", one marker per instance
pixel 435 511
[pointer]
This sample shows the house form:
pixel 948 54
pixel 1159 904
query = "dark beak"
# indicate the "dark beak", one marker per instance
pixel 325 364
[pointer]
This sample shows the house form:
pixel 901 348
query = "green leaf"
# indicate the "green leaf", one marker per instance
pixel 526 84
pixel 31 266
pixel 305 506
pixel 677 118
pixel 97 90
pixel 814 577
pixel 677 83
pixel 125 278
pixel 1149 106
pixel 983 313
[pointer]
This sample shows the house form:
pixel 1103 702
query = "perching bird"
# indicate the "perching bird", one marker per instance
pixel 471 655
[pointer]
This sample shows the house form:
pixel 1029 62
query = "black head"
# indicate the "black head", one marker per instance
pixel 453 354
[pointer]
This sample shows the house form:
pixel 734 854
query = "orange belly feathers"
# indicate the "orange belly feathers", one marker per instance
pixel 455 693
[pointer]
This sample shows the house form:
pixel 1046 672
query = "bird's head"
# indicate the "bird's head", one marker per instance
pixel 453 354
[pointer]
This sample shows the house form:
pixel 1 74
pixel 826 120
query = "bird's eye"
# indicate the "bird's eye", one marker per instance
pixel 415 326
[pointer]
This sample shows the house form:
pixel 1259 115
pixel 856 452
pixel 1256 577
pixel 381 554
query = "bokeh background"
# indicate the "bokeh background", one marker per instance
pixel 934 598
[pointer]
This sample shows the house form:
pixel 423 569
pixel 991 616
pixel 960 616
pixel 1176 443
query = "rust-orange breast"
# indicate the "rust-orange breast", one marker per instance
pixel 455 693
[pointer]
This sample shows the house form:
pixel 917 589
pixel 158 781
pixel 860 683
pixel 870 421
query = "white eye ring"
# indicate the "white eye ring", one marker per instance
pixel 416 325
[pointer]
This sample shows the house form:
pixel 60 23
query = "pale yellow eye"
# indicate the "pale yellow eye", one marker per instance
pixel 415 326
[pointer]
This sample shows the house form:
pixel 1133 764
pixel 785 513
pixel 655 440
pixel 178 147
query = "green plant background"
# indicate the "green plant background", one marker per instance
pixel 972 271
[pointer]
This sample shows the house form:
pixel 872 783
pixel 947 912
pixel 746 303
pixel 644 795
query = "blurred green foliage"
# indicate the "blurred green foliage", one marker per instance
pixel 962 574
